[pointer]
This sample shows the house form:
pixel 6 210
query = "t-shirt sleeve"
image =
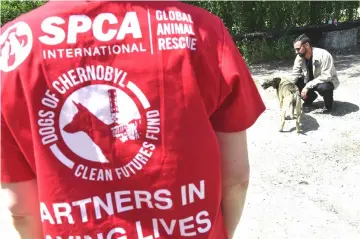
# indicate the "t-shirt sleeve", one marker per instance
pixel 14 166
pixel 240 101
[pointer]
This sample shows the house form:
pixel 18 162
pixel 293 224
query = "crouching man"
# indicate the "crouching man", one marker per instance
pixel 314 71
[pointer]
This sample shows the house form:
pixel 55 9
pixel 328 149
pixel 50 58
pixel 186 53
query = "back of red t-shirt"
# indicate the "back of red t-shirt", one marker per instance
pixel 113 108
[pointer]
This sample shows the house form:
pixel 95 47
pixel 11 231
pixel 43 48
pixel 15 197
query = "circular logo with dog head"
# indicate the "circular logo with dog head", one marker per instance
pixel 15 46
pixel 103 131
pixel 96 117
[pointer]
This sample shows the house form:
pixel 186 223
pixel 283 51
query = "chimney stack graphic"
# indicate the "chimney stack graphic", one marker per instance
pixel 114 109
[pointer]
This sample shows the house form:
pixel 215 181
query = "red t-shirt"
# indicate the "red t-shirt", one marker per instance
pixel 112 107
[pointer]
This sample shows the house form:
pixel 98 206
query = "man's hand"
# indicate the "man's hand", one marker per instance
pixel 304 93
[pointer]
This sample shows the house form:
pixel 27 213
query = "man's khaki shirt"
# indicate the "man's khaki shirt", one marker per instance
pixel 323 69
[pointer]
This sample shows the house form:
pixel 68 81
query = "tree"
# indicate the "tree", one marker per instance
pixel 12 9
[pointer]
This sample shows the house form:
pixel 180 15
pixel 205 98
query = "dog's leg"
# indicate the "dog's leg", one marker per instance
pixel 298 114
pixel 293 106
pixel 281 99
pixel 283 114
pixel 298 124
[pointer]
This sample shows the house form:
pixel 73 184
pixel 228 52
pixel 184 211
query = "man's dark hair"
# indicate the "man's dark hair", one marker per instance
pixel 303 38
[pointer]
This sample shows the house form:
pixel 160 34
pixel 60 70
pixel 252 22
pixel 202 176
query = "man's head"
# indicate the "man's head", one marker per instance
pixel 302 46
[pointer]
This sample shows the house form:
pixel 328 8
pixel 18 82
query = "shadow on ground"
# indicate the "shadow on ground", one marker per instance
pixel 340 108
pixel 344 62
pixel 272 68
pixel 308 123
pixel 343 108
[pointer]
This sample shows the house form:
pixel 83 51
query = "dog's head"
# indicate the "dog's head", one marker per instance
pixel 274 82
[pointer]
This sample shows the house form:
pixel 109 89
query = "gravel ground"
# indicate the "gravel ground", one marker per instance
pixel 306 186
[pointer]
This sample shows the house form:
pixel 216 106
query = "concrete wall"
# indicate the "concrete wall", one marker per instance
pixel 339 39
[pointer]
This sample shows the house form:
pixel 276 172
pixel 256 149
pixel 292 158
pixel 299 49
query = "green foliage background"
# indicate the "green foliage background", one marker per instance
pixel 12 9
pixel 248 16
pixel 242 17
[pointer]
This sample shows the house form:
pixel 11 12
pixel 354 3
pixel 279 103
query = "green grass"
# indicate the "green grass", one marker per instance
pixel 258 51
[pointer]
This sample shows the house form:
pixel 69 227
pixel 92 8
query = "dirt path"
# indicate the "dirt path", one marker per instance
pixel 306 186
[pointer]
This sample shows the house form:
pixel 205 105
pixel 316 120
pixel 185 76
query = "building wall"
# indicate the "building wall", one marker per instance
pixel 340 39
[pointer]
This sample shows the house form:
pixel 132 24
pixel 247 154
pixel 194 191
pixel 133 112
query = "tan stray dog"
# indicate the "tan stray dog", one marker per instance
pixel 289 97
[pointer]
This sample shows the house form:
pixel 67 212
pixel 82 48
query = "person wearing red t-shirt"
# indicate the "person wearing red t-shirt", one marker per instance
pixel 124 120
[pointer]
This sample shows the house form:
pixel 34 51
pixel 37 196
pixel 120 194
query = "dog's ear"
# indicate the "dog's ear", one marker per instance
pixel 276 82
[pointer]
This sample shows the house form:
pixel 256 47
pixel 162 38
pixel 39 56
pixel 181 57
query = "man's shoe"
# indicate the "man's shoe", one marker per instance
pixel 326 110
pixel 328 103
